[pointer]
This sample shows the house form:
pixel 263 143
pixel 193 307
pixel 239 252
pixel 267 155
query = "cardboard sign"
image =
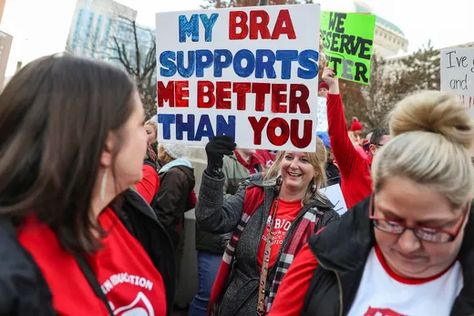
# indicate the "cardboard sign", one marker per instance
pixel 457 74
pixel 348 44
pixel 249 73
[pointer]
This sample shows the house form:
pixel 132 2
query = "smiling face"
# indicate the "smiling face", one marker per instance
pixel 412 204
pixel 296 171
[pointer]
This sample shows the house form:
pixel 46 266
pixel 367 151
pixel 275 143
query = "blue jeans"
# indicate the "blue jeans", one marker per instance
pixel 208 265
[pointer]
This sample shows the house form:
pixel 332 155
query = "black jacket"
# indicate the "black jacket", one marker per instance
pixel 141 221
pixel 23 290
pixel 342 249
pixel 172 200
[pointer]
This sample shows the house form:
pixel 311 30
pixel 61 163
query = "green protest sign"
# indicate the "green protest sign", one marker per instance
pixel 348 44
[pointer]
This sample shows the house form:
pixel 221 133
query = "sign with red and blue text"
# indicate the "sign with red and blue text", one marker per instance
pixel 249 73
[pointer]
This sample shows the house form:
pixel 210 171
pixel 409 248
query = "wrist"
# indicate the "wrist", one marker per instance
pixel 334 89
pixel 214 171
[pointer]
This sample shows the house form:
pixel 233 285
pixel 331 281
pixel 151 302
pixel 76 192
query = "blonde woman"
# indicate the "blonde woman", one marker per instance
pixel 408 249
pixel 271 220
pixel 151 128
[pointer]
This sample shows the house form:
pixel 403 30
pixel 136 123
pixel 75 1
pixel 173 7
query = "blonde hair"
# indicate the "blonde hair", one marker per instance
pixel 317 159
pixel 432 133
pixel 153 124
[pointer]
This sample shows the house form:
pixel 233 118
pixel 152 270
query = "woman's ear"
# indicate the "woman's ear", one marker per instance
pixel 106 156
pixel 372 149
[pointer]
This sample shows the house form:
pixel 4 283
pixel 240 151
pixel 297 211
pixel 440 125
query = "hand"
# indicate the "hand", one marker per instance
pixel 215 150
pixel 330 78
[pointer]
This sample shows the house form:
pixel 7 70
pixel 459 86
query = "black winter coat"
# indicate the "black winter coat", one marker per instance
pixel 172 200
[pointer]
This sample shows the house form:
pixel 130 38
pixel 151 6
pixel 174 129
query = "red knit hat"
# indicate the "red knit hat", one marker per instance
pixel 323 84
pixel 356 125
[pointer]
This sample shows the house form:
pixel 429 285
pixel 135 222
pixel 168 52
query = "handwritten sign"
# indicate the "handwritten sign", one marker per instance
pixel 457 74
pixel 348 44
pixel 249 73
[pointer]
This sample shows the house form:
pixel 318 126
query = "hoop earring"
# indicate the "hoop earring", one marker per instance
pixel 278 181
pixel 103 185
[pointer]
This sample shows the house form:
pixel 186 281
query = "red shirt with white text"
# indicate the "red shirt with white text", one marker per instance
pixel 124 270
pixel 285 214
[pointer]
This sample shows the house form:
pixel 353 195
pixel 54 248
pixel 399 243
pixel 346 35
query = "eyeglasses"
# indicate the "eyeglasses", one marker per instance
pixel 432 235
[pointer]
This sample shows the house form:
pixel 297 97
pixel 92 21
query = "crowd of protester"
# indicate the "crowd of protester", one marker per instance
pixel 92 207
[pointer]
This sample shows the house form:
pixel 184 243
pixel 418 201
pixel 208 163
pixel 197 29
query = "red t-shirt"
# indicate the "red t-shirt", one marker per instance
pixel 292 291
pixel 285 214
pixel 149 184
pixel 122 267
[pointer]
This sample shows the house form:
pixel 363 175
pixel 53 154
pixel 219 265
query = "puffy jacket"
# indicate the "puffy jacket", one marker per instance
pixel 172 199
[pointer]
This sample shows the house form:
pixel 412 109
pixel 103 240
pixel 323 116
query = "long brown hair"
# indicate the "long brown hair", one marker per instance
pixel 55 115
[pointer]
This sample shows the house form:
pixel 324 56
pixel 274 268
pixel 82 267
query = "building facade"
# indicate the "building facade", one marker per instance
pixel 389 40
pixel 100 27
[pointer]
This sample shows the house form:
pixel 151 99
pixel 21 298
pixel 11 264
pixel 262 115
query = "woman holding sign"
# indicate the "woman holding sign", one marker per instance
pixel 271 219
pixel 409 248
pixel 73 142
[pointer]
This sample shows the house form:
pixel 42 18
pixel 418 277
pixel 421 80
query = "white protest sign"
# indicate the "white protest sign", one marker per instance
pixel 249 73
pixel 334 194
pixel 457 74
pixel 322 115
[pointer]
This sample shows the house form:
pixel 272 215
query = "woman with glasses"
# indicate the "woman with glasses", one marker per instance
pixel 408 249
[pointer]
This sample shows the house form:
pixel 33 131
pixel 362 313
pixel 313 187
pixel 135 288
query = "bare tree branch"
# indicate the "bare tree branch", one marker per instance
pixel 142 71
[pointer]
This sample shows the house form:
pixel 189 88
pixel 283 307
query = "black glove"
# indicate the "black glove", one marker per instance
pixel 215 150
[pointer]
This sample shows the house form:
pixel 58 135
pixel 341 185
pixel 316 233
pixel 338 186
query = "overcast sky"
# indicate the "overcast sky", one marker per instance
pixel 41 27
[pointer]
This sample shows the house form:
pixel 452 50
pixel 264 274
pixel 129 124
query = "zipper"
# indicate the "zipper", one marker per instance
pixel 339 284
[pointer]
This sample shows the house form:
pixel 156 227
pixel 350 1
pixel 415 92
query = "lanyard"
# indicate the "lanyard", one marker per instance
pixel 266 261
pixel 92 280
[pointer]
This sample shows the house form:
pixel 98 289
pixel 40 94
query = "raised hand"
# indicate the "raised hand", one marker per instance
pixel 330 78
pixel 215 150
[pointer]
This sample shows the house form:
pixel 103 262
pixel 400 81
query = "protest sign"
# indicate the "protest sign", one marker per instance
pixel 249 73
pixel 322 115
pixel 457 74
pixel 334 194
pixel 348 44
